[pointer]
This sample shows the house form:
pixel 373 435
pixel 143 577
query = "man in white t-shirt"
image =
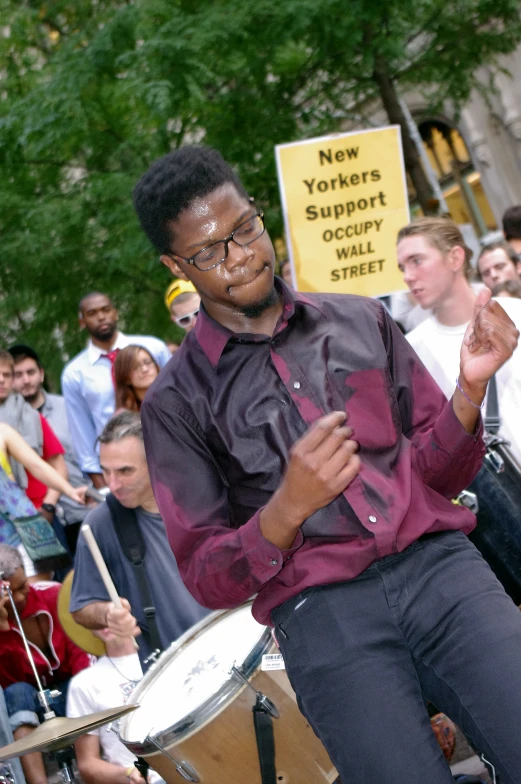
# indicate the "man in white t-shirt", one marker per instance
pixel 102 758
pixel 435 262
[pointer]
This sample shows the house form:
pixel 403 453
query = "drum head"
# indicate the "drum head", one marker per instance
pixel 192 680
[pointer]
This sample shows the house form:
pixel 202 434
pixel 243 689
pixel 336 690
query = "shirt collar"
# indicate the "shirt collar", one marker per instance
pixel 47 403
pixel 213 337
pixel 33 603
pixel 95 352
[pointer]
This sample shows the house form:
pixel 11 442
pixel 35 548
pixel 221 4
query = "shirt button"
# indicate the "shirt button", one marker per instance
pixel 296 385
pixel 273 562
pixel 372 519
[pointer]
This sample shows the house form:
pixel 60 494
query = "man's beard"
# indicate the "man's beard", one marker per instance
pixel 258 308
pixel 31 398
pixel 106 335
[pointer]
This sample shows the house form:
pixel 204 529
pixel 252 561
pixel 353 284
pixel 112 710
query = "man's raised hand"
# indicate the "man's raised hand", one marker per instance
pixel 489 342
pixel 322 464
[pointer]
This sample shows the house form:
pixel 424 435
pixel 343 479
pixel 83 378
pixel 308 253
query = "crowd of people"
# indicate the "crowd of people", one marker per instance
pixel 53 448
pixel 233 451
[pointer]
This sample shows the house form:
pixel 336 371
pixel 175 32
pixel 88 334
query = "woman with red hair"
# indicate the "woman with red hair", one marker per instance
pixel 135 369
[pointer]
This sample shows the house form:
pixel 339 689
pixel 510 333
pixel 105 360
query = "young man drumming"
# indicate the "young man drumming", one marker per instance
pixel 300 451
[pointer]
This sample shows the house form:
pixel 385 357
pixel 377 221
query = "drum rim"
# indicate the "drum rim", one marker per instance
pixel 209 708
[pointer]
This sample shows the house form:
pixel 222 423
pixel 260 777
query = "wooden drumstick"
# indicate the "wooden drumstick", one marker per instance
pixel 102 569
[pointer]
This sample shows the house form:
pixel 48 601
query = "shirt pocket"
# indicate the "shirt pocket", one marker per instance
pixel 370 403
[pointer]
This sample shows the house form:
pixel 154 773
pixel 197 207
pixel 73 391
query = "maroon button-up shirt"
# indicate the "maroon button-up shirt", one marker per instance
pixel 222 416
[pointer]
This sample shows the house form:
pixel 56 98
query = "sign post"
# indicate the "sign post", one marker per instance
pixel 344 199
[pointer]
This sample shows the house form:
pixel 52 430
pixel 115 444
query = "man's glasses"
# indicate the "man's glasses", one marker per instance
pixel 213 255
pixel 184 321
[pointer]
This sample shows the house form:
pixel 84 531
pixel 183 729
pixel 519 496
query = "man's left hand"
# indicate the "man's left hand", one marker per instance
pixel 489 342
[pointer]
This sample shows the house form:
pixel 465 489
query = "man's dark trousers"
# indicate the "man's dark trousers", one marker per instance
pixel 364 656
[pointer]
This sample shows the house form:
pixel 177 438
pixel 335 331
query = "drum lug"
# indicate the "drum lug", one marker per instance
pixel 152 659
pixel 264 701
pixel 6 774
pixel 268 705
pixel 494 461
pixel 470 500
pixel 183 768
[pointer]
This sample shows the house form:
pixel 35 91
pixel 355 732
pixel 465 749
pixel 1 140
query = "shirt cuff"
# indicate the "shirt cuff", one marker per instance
pixel 90 468
pixel 264 557
pixel 450 434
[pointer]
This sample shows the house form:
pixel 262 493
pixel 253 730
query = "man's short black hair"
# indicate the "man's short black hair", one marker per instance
pixel 85 297
pixel 21 352
pixel 512 223
pixel 173 183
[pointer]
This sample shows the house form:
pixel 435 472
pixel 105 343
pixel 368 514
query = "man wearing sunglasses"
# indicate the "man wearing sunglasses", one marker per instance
pixel 324 458
pixel 183 302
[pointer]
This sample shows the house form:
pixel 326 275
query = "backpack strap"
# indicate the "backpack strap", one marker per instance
pixel 133 545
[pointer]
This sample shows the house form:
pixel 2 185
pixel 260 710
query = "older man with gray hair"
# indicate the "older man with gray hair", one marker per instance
pixel 131 511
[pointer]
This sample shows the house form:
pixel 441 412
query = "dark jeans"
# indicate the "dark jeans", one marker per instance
pixel 6 737
pixel 364 656
pixel 23 705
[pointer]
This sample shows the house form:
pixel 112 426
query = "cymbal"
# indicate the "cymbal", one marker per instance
pixel 58 733
pixel 81 636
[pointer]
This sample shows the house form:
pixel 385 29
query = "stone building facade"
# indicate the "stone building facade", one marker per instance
pixel 476 154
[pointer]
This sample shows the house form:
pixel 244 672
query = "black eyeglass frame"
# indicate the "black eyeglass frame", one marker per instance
pixel 226 240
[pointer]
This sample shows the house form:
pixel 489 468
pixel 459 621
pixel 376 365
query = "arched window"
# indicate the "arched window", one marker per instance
pixel 459 181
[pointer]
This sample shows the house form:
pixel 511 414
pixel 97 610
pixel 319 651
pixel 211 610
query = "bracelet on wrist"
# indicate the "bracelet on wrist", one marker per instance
pixel 467 397
pixel 128 772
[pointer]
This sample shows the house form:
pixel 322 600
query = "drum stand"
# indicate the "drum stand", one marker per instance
pixel 65 757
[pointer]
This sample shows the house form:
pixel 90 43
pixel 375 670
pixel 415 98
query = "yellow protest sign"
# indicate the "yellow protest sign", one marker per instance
pixel 344 199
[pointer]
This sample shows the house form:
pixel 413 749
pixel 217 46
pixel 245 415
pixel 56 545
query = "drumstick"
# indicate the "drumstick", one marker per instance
pixel 102 569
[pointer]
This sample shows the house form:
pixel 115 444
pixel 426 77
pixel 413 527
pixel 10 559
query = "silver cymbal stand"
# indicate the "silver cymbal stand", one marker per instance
pixel 44 695
pixel 65 756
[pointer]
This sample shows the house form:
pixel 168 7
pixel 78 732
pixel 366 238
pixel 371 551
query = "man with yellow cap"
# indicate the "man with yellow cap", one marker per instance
pixel 183 303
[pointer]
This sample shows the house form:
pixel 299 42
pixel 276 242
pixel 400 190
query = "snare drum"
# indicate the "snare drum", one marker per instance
pixel 195 722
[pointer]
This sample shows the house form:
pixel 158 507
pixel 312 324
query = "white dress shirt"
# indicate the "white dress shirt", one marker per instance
pixel 89 393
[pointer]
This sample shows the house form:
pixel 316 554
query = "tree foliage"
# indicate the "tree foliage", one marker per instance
pixel 92 91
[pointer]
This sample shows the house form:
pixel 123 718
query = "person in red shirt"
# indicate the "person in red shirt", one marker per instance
pixel 56 658
pixel 43 497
